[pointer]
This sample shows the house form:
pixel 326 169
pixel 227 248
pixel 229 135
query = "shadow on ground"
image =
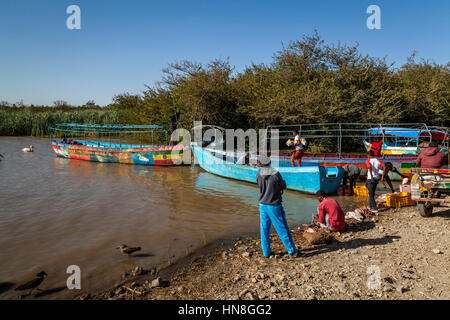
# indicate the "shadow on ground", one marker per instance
pixel 351 244
pixel 47 292
pixel 5 286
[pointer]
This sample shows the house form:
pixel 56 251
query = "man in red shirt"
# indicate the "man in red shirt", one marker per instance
pixel 376 146
pixel 331 215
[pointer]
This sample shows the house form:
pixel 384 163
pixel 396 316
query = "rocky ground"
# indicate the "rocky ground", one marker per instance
pixel 396 255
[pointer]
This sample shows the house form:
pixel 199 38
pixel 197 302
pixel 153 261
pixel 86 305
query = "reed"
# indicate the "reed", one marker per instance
pixel 27 122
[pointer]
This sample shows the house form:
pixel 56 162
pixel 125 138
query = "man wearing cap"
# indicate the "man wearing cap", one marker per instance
pixel 271 186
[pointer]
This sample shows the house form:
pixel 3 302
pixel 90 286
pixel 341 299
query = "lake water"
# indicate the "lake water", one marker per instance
pixel 57 212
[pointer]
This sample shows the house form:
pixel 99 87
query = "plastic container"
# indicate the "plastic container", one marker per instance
pixel 360 191
pixel 399 199
pixel 405 188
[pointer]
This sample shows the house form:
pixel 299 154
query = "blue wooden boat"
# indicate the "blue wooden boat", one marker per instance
pixel 309 179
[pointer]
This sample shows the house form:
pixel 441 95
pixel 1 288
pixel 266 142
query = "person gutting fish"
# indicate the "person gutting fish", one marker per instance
pixel 330 214
pixel 271 186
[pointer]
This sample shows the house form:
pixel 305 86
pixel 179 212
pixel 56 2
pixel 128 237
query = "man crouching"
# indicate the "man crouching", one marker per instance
pixel 271 186
pixel 330 214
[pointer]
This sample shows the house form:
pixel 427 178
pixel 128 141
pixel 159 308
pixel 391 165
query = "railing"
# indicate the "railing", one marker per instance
pixel 85 130
pixel 342 131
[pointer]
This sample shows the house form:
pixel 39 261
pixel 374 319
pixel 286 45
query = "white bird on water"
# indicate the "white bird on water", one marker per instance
pixel 30 149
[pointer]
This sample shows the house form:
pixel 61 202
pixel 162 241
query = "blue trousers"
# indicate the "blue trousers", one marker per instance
pixel 372 187
pixel 274 214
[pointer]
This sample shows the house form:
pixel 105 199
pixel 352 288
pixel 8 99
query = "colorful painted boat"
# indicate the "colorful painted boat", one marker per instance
pixel 153 155
pixel 309 179
pixel 407 141
pixel 401 142
pixel 402 163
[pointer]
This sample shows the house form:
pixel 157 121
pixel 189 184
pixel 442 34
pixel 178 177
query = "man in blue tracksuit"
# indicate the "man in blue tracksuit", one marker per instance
pixel 271 186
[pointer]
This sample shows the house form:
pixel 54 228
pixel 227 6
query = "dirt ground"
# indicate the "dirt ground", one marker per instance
pixel 396 255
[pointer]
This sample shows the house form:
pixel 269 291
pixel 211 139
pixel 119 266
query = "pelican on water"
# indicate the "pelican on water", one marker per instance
pixel 30 149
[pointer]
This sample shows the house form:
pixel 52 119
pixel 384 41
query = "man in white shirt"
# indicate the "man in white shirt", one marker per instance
pixel 297 154
pixel 375 173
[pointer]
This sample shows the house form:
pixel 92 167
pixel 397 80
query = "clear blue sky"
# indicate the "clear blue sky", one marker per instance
pixel 123 45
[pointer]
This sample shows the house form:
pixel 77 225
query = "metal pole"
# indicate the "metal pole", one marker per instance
pixel 340 141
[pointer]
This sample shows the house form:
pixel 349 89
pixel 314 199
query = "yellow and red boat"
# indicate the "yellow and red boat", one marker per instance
pixel 81 146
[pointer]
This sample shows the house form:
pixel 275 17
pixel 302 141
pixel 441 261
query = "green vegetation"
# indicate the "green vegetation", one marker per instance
pixel 36 121
pixel 308 81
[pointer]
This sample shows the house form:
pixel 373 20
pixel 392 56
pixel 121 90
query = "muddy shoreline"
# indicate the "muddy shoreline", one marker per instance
pixel 396 255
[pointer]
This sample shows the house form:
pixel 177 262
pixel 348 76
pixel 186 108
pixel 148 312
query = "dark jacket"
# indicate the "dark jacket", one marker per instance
pixel 431 158
pixel 353 171
pixel 271 186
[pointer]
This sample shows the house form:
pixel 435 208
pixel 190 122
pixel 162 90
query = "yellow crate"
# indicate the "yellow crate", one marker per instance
pixel 360 191
pixel 399 199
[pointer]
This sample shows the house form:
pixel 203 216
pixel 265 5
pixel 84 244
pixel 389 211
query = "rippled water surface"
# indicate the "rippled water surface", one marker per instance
pixel 57 212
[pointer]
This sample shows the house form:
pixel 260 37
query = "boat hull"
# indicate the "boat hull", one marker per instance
pixel 394 150
pixel 403 163
pixel 309 179
pixel 148 155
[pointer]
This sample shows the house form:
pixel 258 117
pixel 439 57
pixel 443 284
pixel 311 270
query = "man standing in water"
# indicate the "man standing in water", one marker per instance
pixel 271 186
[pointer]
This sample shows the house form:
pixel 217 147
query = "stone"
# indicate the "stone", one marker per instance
pixel 243 293
pixel 157 282
pixel 118 291
pixel 437 251
pixel 402 289
pixel 274 290
pixel 85 296
pixel 137 271
pixel 251 296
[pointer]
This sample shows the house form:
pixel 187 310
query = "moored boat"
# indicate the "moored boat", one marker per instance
pixel 407 141
pixel 114 151
pixel 309 179
pixel 401 143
